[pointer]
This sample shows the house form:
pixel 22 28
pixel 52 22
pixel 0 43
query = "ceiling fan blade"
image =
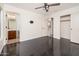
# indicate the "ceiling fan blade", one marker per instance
pixel 45 4
pixel 46 7
pixel 39 7
pixel 55 4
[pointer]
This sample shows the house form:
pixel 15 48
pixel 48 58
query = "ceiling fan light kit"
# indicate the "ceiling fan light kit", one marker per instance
pixel 46 6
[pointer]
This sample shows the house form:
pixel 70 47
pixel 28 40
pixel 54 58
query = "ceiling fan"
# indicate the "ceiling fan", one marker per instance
pixel 46 6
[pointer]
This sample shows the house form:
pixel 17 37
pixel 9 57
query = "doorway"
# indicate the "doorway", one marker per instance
pixel 65 34
pixel 12 32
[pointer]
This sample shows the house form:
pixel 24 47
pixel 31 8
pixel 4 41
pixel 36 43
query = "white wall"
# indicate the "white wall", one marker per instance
pixel 74 20
pixel 27 30
pixel 75 27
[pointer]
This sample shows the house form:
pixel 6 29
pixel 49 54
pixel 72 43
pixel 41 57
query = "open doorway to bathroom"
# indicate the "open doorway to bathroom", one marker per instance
pixel 12 30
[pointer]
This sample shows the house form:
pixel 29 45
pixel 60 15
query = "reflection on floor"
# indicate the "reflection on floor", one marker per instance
pixel 65 47
pixel 42 47
pixel 34 47
pixel 11 41
pixel 74 49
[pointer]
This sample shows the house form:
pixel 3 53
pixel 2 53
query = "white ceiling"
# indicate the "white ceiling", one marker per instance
pixel 32 6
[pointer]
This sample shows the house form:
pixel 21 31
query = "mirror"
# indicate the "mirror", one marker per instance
pixel 11 21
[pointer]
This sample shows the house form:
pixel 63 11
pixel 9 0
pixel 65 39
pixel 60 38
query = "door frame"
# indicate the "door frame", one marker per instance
pixel 65 20
pixel 52 23
pixel 52 28
pixel 51 34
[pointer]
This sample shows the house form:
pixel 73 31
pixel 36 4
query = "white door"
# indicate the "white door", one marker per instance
pixel 65 27
pixel 65 30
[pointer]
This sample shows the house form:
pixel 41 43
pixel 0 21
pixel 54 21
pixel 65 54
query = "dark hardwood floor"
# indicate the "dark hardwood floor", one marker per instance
pixel 43 46
pixel 34 47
